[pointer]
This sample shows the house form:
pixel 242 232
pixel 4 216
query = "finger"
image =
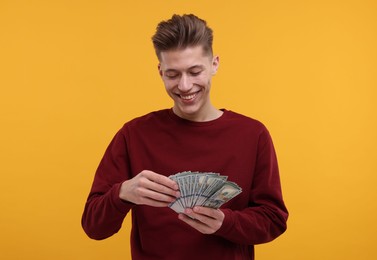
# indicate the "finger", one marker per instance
pixel 196 224
pixel 203 219
pixel 211 219
pixel 188 219
pixel 209 212
pixel 157 196
pixel 161 189
pixel 190 213
pixel 154 203
pixel 161 179
pixel 197 216
pixel 200 214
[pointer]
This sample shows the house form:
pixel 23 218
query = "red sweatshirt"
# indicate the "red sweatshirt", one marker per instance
pixel 232 145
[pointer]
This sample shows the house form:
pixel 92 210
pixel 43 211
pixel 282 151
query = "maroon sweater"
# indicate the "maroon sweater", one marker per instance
pixel 232 145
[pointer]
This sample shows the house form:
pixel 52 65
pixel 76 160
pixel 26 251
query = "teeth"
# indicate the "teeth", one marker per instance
pixel 188 97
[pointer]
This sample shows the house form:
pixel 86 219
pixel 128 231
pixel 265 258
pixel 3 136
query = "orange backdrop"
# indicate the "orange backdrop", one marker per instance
pixel 72 72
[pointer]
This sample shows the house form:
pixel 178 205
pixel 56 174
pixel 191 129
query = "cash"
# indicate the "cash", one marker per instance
pixel 205 189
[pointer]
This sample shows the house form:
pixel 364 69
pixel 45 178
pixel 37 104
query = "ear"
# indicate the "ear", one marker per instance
pixel 215 64
pixel 159 69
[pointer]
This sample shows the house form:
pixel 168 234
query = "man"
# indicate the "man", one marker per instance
pixel 196 136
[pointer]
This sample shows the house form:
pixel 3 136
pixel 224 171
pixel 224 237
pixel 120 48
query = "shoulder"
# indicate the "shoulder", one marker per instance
pixel 151 119
pixel 251 128
pixel 244 121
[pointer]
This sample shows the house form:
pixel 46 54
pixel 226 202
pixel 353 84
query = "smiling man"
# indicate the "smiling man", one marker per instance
pixel 191 136
pixel 187 77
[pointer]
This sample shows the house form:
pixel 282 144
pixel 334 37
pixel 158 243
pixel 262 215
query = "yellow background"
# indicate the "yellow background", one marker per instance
pixel 72 72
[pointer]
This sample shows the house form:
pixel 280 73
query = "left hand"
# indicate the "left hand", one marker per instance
pixel 205 220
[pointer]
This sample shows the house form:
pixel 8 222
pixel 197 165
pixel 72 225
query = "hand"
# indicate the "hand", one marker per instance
pixel 149 188
pixel 205 220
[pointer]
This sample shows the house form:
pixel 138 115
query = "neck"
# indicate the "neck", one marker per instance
pixel 212 113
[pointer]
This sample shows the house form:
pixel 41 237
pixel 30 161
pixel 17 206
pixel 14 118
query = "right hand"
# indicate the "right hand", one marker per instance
pixel 149 188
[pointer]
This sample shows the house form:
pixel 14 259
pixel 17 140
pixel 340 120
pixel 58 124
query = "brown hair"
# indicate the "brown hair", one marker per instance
pixel 180 32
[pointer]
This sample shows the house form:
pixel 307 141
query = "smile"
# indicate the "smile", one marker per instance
pixel 188 96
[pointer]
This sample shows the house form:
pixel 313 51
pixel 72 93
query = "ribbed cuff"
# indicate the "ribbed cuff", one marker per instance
pixel 121 205
pixel 228 223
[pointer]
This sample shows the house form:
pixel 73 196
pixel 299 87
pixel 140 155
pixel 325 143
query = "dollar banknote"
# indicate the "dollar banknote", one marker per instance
pixel 205 189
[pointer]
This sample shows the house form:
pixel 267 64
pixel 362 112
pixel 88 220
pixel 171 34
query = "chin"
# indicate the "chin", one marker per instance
pixel 190 112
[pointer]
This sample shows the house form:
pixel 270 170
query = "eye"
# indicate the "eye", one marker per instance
pixel 171 75
pixel 195 73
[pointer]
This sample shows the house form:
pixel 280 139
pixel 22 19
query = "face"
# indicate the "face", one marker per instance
pixel 187 77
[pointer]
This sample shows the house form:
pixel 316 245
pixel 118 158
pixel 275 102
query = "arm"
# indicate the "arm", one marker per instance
pixel 115 191
pixel 264 219
pixel 104 211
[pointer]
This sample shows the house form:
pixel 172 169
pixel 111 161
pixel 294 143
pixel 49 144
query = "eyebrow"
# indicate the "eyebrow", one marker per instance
pixel 191 68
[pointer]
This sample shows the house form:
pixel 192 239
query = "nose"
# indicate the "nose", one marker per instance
pixel 184 83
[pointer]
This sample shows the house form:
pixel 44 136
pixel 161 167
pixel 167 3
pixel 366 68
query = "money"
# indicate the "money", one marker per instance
pixel 205 189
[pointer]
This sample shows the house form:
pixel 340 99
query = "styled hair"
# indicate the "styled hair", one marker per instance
pixel 180 32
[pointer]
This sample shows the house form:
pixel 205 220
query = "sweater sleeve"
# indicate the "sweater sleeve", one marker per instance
pixel 265 218
pixel 104 211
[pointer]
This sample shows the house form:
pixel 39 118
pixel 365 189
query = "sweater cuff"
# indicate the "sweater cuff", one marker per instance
pixel 228 223
pixel 121 205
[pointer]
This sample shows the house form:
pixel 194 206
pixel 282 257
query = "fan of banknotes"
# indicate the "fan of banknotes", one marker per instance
pixel 205 189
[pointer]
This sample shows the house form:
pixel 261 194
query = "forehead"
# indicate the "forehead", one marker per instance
pixel 184 58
